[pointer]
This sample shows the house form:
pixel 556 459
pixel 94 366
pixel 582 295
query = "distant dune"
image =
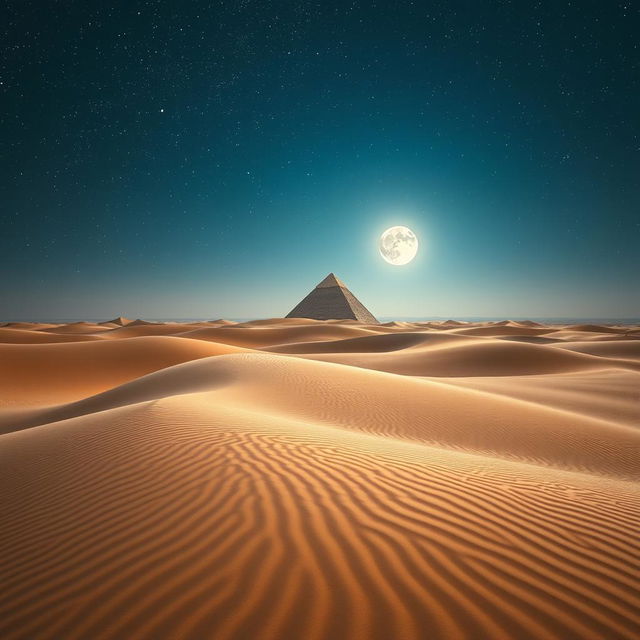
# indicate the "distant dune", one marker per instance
pixel 24 336
pixel 297 479
pixel 76 328
pixel 120 321
pixel 478 358
pixel 504 330
pixel 277 333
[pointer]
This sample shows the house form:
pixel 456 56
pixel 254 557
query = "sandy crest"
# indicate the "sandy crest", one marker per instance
pixel 192 487
pixel 49 373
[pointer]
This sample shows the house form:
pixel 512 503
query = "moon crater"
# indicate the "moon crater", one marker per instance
pixel 398 245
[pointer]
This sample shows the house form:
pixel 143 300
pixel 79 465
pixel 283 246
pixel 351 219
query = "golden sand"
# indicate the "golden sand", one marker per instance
pixel 289 479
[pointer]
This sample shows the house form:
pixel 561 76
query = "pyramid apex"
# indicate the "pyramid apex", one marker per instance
pixel 331 281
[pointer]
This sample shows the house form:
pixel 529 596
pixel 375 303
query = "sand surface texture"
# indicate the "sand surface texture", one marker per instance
pixel 295 479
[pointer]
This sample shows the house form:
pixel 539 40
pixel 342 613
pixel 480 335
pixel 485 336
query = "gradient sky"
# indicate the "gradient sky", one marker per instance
pixel 203 159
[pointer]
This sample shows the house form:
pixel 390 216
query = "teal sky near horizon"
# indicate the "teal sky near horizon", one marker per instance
pixel 219 159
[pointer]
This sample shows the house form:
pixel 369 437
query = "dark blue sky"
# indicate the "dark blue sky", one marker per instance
pixel 202 159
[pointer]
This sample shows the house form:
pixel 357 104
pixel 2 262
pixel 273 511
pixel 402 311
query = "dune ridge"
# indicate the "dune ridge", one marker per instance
pixel 43 373
pixel 381 404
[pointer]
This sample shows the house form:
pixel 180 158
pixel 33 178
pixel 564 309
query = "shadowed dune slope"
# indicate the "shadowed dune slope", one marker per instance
pixel 48 373
pixel 483 357
pixel 530 339
pixel 595 328
pixel 77 328
pixel 370 344
pixel 185 518
pixel 590 336
pixel 625 349
pixel 23 336
pixel 502 330
pixel 139 328
pixel 258 336
pixel 31 326
pixel 280 322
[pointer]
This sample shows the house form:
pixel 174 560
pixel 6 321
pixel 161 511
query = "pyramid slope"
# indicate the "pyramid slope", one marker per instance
pixel 331 300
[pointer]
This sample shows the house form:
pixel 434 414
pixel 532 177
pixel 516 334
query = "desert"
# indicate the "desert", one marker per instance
pixel 319 320
pixel 298 478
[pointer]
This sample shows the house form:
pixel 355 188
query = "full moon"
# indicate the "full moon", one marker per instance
pixel 398 245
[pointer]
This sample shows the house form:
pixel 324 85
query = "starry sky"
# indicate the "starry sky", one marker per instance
pixel 206 159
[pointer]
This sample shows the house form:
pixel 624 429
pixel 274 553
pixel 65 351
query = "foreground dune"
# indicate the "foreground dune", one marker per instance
pixel 188 486
pixel 384 405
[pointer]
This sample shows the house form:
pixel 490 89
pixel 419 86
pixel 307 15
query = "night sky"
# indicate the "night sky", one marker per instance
pixel 207 159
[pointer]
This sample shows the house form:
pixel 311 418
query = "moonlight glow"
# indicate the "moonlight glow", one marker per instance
pixel 398 245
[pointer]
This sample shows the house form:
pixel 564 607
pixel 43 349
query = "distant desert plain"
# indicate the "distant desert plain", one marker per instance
pixel 316 480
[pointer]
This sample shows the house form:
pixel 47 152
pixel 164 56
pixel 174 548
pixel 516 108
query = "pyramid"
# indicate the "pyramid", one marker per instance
pixel 331 300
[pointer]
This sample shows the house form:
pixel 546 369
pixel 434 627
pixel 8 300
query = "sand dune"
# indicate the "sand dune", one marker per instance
pixel 30 326
pixel 119 321
pixel 624 349
pixel 46 373
pixel 503 330
pixel 381 404
pixel 370 344
pixel 24 336
pixel 578 336
pixel 182 486
pixel 77 328
pixel 595 328
pixel 280 322
pixel 133 330
pixel 481 358
pixel 608 394
pixel 530 339
pixel 528 323
pixel 274 335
